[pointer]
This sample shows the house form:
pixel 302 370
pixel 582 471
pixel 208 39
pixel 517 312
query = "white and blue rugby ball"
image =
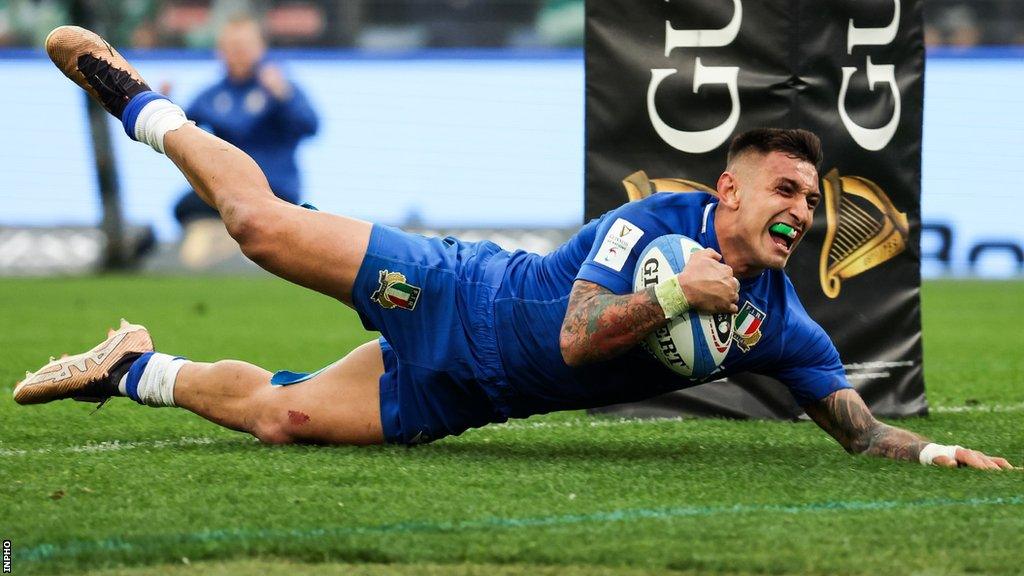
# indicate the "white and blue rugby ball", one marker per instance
pixel 692 344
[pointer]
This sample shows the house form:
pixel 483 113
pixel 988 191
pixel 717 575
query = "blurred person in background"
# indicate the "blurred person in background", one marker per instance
pixel 257 108
pixel 27 22
pixel 1006 23
pixel 561 23
pixel 951 24
pixel 473 23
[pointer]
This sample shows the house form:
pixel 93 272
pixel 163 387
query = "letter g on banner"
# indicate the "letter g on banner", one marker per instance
pixel 699 141
pixel 872 139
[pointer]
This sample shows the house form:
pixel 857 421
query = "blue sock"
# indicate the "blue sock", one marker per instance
pixel 134 106
pixel 131 385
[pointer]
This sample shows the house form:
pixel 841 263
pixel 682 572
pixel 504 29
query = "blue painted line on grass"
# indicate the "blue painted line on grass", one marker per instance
pixel 45 552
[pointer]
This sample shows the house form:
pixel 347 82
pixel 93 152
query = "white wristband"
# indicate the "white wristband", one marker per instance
pixel 929 452
pixel 671 298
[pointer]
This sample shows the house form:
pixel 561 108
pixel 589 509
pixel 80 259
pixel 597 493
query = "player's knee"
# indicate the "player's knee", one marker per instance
pixel 254 227
pixel 272 430
pixel 269 421
pixel 272 435
pixel 279 421
pixel 241 221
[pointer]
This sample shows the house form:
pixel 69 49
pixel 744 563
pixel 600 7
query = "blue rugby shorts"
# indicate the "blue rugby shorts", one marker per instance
pixel 432 301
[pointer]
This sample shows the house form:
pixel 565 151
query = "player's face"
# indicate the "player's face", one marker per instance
pixel 775 190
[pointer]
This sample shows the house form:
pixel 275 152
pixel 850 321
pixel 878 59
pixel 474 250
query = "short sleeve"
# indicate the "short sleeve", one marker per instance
pixel 809 366
pixel 621 237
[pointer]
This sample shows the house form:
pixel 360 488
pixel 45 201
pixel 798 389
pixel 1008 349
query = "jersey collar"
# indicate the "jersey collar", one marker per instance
pixel 708 238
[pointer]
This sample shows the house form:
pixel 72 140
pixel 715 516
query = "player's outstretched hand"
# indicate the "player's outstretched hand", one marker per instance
pixel 709 285
pixel 973 459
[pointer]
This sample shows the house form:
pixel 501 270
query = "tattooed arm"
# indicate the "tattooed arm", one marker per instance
pixel 844 415
pixel 599 324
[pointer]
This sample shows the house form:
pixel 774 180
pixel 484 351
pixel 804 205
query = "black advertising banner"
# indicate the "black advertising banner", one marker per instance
pixel 670 82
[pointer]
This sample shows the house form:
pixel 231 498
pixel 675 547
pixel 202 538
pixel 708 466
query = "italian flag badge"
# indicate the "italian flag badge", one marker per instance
pixel 748 326
pixel 395 292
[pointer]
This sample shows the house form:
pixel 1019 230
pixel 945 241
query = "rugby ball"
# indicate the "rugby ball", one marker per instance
pixel 691 344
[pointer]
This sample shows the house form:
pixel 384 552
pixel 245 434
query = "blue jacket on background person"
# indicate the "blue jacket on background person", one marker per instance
pixel 255 107
pixel 250 117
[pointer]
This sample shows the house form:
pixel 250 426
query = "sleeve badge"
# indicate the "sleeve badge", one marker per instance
pixel 394 291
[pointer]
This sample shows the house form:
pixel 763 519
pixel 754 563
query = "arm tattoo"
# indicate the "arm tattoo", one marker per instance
pixel 600 325
pixel 844 415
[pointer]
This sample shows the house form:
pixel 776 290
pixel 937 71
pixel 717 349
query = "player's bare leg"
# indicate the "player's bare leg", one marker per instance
pixel 340 405
pixel 315 250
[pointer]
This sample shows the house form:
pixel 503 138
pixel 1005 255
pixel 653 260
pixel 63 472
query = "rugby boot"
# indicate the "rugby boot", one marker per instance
pixel 84 376
pixel 95 66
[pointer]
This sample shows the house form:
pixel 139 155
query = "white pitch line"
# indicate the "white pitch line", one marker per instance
pixel 115 445
pixel 599 422
pixel 602 422
pixel 979 408
pixel 112 446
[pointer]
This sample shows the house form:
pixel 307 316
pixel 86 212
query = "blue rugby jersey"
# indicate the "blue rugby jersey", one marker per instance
pixel 267 129
pixel 778 337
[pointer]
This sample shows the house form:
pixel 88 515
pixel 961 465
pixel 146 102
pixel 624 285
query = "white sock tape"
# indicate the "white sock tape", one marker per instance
pixel 156 119
pixel 156 385
pixel 929 452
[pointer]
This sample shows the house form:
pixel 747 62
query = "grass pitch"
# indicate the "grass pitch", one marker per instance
pixel 138 491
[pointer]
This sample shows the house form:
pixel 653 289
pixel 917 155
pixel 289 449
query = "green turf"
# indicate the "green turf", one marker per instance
pixel 275 567
pixel 574 495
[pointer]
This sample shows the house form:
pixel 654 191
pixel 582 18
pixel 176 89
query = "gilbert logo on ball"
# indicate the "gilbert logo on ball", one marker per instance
pixel 692 344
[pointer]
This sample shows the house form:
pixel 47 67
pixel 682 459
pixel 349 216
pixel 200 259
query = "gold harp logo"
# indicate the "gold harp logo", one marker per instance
pixel 639 186
pixel 864 229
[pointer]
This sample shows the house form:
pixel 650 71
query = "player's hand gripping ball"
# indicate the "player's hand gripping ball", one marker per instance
pixel 692 344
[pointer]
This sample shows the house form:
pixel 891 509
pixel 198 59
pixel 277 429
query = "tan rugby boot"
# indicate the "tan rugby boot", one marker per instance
pixel 95 66
pixel 83 376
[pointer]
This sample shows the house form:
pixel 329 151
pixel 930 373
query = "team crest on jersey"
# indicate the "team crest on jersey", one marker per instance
pixel 748 326
pixel 395 292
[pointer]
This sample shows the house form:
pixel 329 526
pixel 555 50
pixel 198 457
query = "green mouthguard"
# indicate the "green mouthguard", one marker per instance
pixel 781 228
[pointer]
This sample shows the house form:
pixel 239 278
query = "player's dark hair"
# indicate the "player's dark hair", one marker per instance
pixel 793 142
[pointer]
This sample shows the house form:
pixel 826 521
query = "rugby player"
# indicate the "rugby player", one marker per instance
pixel 472 334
